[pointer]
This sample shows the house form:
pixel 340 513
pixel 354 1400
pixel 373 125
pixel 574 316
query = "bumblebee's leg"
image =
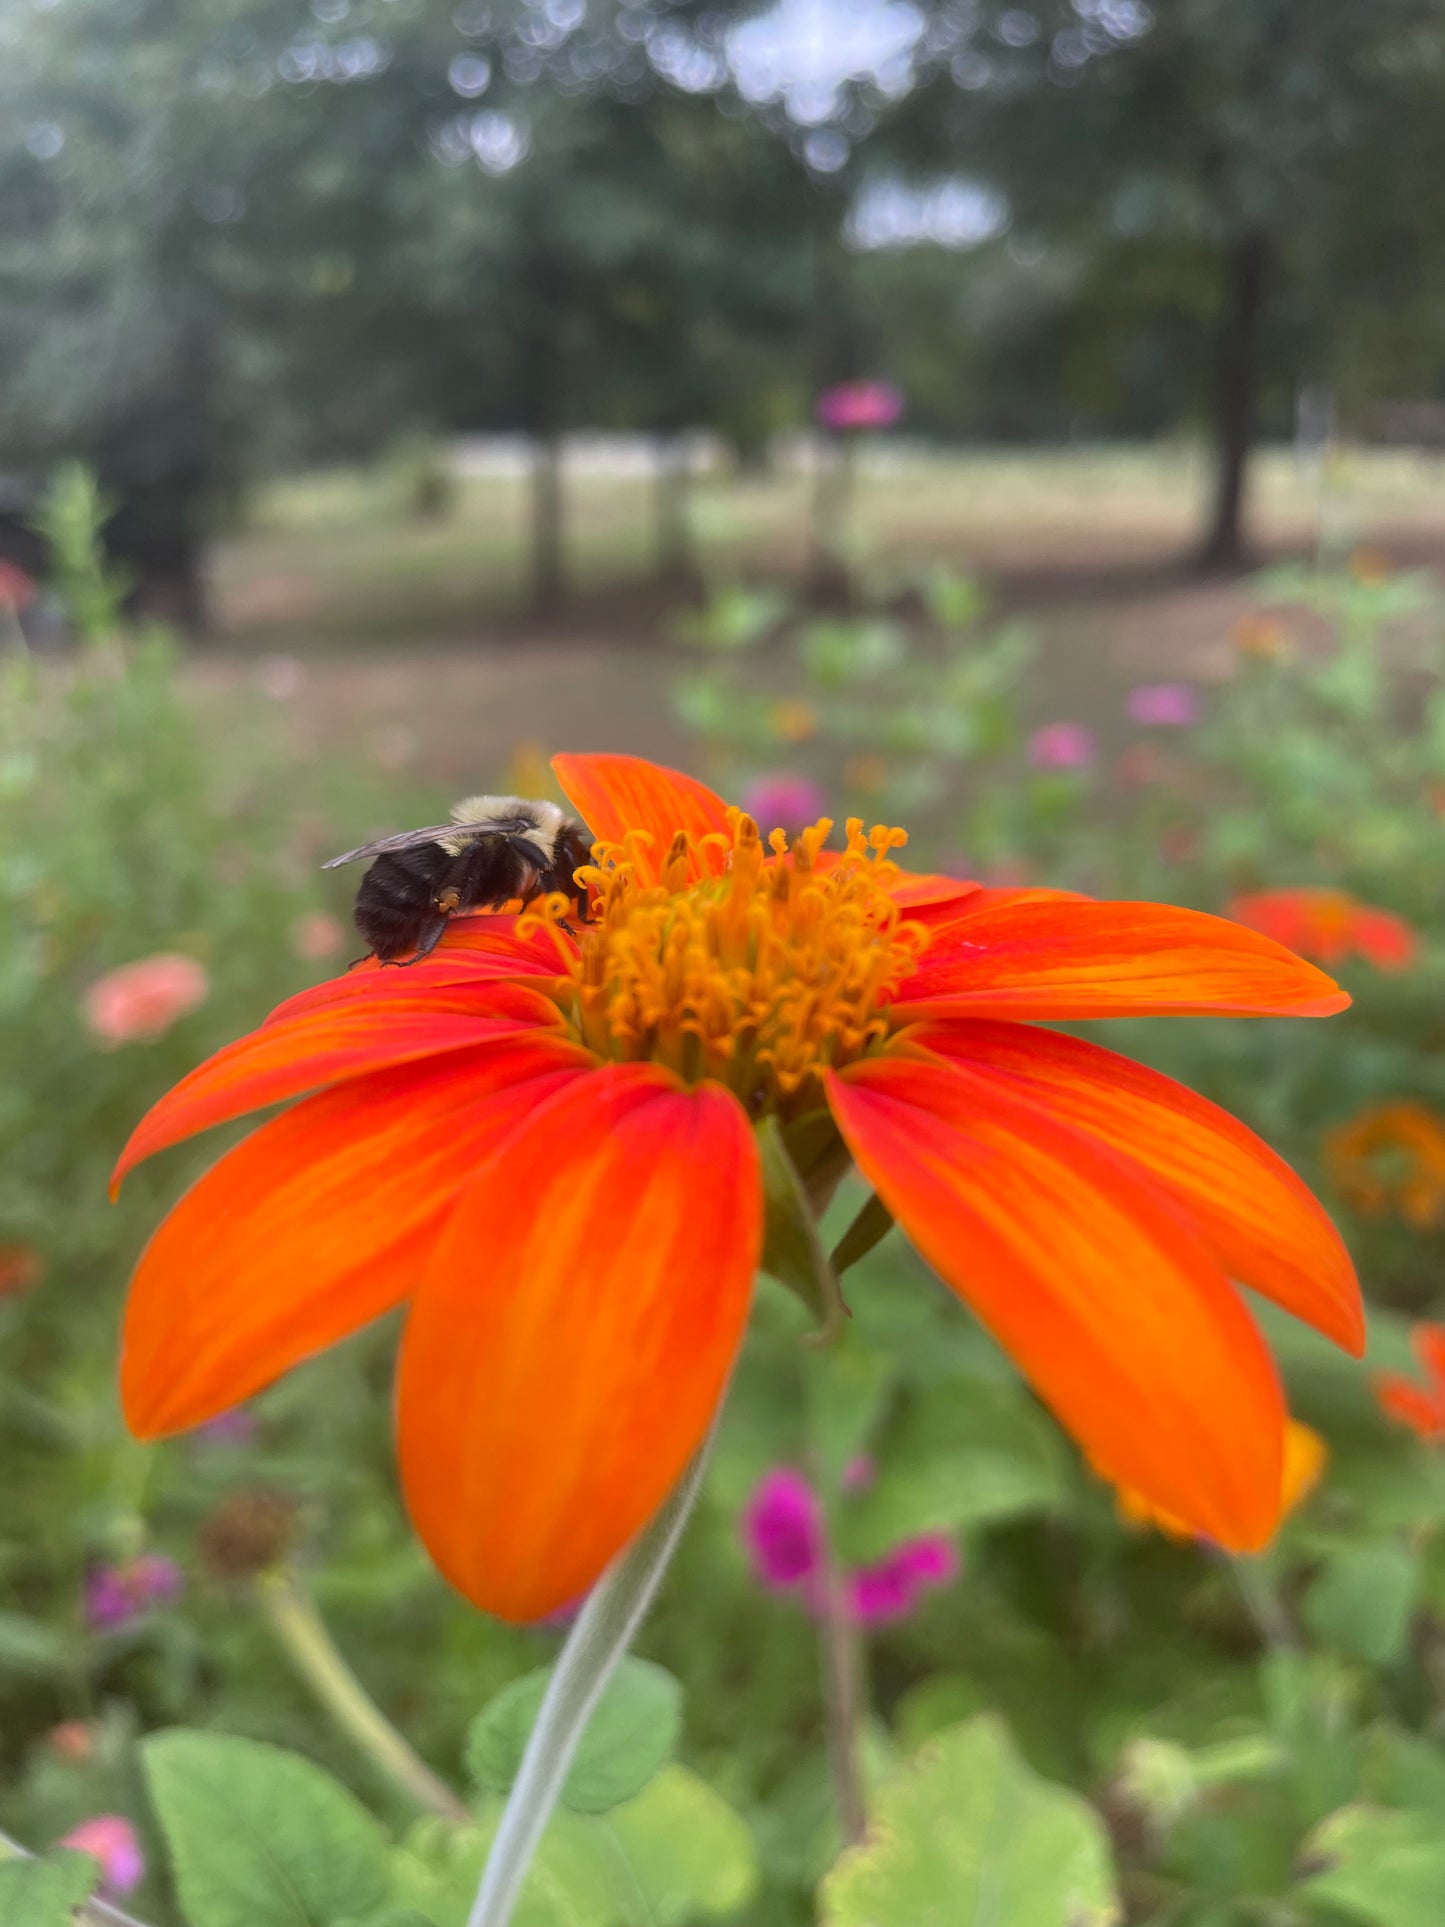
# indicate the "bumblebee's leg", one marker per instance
pixel 430 937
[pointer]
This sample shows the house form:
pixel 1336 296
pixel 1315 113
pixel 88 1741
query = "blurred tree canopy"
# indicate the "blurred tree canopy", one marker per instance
pixel 245 234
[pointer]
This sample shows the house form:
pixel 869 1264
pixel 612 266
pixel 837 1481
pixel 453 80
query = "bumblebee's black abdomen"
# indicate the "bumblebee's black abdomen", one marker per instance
pixel 394 903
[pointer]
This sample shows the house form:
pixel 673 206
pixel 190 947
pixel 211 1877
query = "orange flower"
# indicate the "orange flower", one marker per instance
pixel 544 1144
pixel 21 1267
pixel 1421 1407
pixel 1392 1158
pixel 791 722
pixel 1264 637
pixel 1305 1458
pixel 1330 926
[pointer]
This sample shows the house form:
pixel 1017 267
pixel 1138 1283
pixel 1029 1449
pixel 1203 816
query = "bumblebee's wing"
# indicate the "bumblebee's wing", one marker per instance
pixel 406 840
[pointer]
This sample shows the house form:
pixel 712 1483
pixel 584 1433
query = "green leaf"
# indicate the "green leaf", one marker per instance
pixel 1384 1868
pixel 260 1837
pixel 630 1736
pixel 793 1252
pixel 46 1893
pixel 968 1834
pixel 676 1854
pixel 689 1853
pixel 871 1226
pixel 1362 1602
pixel 30 1645
pixel 960 1455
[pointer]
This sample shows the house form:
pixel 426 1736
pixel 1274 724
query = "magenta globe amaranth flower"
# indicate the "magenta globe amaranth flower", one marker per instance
pixel 115 1595
pixel 110 1840
pixel 853 405
pixel 786 1537
pixel 1165 705
pixel 1062 746
pixel 784 802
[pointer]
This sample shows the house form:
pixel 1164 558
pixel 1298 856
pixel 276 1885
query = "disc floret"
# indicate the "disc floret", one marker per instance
pixel 760 977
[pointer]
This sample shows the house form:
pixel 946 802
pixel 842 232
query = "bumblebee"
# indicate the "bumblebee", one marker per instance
pixel 494 850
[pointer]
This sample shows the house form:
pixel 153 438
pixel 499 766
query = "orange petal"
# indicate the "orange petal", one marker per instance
pixel 1080 959
pixel 1083 1271
pixel 1402 1399
pixel 574 1333
pixel 282 1060
pixel 1429 1346
pixel 615 794
pixel 1256 1219
pixel 474 950
pixel 316 1224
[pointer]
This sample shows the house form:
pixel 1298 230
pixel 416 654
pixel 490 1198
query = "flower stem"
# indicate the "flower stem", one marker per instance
pixel 307 1643
pixel 842 1700
pixel 599 1639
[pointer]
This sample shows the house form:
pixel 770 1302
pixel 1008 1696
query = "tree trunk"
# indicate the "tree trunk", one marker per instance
pixel 548 573
pixel 673 479
pixel 1235 396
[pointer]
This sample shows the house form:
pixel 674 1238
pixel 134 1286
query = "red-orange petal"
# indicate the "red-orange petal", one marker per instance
pixel 1258 1221
pixel 282 1060
pixel 1083 1270
pixel 318 1223
pixel 474 950
pixel 1081 959
pixel 1403 1400
pixel 574 1333
pixel 615 794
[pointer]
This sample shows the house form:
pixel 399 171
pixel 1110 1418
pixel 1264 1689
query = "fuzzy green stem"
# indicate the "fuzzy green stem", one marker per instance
pixel 842 1702
pixel 600 1637
pixel 303 1636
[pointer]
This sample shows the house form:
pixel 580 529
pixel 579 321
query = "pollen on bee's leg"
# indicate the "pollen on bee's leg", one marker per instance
pixel 448 902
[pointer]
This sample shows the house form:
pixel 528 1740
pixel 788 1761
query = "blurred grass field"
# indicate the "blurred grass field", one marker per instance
pixel 407 639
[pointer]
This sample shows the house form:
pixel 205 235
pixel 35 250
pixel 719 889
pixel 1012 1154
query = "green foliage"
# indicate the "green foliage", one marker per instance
pixel 630 1736
pixel 45 1893
pixel 967 1831
pixel 674 1855
pixel 261 1838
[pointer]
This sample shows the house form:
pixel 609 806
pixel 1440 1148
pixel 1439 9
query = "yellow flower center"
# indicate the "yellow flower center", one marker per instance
pixel 761 977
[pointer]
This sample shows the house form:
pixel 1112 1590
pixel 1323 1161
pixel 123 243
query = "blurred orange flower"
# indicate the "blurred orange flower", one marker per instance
pixel 1305 1458
pixel 1421 1407
pixel 865 774
pixel 20 1268
pixel 1265 637
pixel 1329 925
pixel 140 1001
pixel 543 1140
pixel 1392 1158
pixel 1371 566
pixel 793 722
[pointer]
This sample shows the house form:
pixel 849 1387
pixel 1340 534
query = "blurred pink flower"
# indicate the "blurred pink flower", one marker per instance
pixel 784 802
pixel 113 1841
pixel 785 1534
pixel 140 1001
pixel 890 1590
pixel 115 1595
pixel 1062 746
pixel 1165 705
pixel 17 590
pixel 281 677
pixel 860 404
pixel 783 1531
pixel 317 936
